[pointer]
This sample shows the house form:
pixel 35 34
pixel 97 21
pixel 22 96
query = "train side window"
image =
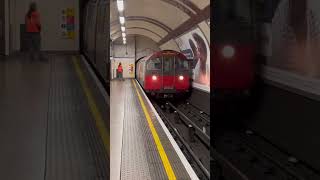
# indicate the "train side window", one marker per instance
pixel 154 64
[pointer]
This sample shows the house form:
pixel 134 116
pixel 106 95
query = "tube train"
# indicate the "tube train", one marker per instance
pixel 164 74
pixel 94 41
pixel 234 52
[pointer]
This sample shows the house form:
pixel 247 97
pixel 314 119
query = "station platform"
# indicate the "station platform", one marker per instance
pixel 54 120
pixel 142 146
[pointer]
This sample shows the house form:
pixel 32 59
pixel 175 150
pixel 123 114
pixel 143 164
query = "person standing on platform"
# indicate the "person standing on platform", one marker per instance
pixel 33 29
pixel 120 72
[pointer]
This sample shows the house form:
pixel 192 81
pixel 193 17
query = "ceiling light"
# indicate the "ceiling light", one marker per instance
pixel 121 20
pixel 123 34
pixel 123 28
pixel 120 5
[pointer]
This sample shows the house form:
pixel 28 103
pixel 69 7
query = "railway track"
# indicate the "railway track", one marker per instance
pixel 252 157
pixel 194 142
pixel 235 155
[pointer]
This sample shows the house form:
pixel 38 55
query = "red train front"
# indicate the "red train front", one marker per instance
pixel 164 73
pixel 233 54
pixel 233 68
pixel 234 50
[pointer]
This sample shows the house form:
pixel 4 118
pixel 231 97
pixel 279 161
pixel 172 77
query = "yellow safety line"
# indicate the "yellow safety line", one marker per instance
pixel 162 153
pixel 93 107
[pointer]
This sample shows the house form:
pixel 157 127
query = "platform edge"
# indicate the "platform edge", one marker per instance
pixel 98 83
pixel 183 159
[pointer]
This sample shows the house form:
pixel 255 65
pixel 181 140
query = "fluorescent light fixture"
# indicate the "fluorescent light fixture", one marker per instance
pixel 123 28
pixel 121 20
pixel 124 39
pixel 120 5
pixel 124 42
pixel 123 34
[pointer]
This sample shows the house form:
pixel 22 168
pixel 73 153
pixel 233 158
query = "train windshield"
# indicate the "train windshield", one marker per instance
pixel 154 64
pixel 168 63
pixel 181 64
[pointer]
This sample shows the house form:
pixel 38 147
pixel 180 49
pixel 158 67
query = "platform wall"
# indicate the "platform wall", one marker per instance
pixel 51 13
pixel 137 46
pixel 292 47
pixel 145 46
pixel 120 50
pixel 195 44
pixel 286 109
pixel 124 54
pixel 128 66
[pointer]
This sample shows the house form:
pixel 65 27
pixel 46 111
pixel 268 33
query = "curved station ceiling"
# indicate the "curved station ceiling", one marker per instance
pixel 160 20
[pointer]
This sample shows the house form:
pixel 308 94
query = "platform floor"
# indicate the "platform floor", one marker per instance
pixel 47 128
pixel 135 152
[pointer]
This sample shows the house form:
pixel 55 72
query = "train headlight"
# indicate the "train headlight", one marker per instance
pixel 181 78
pixel 154 77
pixel 228 51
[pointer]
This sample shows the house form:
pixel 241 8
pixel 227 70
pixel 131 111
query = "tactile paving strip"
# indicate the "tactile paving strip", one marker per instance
pixel 140 157
pixel 74 148
pixel 100 100
pixel 175 161
pixel 134 164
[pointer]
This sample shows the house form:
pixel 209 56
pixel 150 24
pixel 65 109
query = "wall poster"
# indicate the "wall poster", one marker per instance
pixel 131 72
pixel 68 23
pixel 195 47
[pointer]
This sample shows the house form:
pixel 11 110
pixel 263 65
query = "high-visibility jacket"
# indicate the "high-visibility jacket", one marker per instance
pixel 33 22
pixel 120 70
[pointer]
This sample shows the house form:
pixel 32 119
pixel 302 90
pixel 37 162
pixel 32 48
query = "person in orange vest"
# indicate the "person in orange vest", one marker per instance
pixel 33 29
pixel 120 71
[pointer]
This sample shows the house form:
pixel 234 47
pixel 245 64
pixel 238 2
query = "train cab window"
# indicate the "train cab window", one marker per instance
pixel 182 64
pixel 154 64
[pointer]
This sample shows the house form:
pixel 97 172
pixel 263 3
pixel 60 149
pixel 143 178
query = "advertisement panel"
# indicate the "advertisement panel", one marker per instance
pixel 68 23
pixel 196 48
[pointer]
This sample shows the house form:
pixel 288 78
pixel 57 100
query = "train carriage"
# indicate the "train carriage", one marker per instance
pixel 234 50
pixel 164 73
pixel 234 57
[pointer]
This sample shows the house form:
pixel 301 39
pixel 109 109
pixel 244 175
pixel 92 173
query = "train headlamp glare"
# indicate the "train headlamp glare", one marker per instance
pixel 154 77
pixel 228 51
pixel 181 78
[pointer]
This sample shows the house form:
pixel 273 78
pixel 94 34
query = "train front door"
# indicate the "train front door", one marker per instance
pixel 168 73
pixel 2 27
